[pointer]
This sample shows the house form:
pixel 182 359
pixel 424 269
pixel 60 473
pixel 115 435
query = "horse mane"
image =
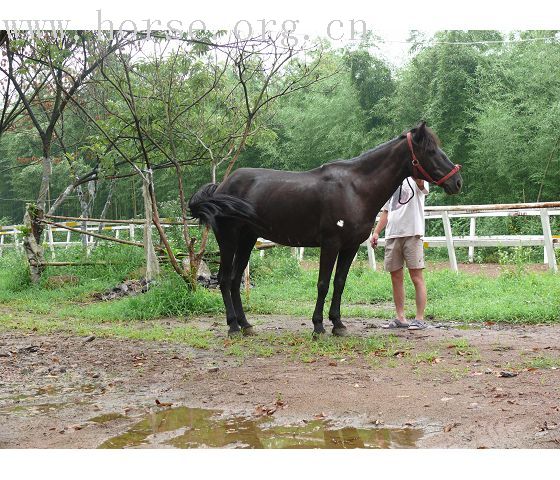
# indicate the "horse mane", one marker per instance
pixel 430 141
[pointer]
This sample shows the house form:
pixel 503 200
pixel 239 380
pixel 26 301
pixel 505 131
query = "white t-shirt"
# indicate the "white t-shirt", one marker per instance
pixel 406 220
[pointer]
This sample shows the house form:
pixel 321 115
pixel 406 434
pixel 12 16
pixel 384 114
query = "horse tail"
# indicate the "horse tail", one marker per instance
pixel 208 206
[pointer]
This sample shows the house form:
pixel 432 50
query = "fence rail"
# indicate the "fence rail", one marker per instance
pixel 9 236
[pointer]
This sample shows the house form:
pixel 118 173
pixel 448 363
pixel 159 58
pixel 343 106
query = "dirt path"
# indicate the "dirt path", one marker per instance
pixel 445 382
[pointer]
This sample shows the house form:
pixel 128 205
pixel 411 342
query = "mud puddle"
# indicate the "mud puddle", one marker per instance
pixel 185 427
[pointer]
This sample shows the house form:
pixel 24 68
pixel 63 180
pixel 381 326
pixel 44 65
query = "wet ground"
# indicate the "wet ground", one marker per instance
pixel 496 386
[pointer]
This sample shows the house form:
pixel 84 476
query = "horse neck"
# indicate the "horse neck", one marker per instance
pixel 381 171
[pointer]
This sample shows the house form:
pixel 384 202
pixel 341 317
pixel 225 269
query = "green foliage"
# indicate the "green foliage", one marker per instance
pixel 494 105
pixel 14 275
pixel 275 265
pixel 168 298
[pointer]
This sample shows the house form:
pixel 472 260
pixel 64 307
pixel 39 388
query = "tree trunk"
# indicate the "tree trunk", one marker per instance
pixel 45 182
pixel 85 213
pixel 106 206
pixel 32 241
pixel 152 263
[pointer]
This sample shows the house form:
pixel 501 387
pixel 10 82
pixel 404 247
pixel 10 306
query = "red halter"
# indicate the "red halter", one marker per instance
pixel 416 167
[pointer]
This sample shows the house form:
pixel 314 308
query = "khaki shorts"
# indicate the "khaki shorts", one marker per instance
pixel 404 249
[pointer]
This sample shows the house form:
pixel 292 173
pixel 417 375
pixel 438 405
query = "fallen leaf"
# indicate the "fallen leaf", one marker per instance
pixel 332 363
pixel 162 404
pixel 262 410
pixel 320 416
pixel 448 427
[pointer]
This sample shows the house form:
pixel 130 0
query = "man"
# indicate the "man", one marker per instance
pixel 403 215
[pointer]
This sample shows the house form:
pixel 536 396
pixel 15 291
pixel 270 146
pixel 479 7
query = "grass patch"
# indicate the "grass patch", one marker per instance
pixel 525 298
pixel 462 348
pixel 281 287
pixel 308 349
pixel 544 363
pixel 430 357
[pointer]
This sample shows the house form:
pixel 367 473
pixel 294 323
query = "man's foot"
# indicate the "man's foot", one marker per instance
pixel 417 325
pixel 396 323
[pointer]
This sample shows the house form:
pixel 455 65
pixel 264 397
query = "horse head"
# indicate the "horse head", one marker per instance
pixel 429 162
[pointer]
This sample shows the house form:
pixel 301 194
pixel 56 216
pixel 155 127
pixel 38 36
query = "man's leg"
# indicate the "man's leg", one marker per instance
pixel 397 279
pixel 417 277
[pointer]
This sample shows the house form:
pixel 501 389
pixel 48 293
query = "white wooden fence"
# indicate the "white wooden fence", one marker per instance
pixel 9 237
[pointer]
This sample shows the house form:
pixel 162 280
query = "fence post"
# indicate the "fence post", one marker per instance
pixel 298 253
pixel 449 241
pixel 17 245
pixel 51 241
pixel 472 234
pixel 68 238
pixel 548 245
pixel 1 244
pixel 371 255
pixel 131 231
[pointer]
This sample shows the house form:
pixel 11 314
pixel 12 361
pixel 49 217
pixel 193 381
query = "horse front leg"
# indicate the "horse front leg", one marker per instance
pixel 328 257
pixel 345 258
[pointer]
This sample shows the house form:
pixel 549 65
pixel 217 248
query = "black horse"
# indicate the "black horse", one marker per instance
pixel 333 207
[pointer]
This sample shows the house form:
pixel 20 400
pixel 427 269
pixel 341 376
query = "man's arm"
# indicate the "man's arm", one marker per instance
pixel 379 228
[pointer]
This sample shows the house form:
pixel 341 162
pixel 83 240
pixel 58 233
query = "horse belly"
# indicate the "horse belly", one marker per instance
pixel 294 227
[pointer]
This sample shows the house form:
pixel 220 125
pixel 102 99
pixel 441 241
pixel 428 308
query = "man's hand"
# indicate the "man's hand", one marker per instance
pixel 374 239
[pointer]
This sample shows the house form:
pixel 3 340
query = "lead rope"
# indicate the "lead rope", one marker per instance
pixel 400 192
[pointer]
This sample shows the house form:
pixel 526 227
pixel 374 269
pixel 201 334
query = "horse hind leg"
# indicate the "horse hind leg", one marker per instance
pixel 328 257
pixel 242 255
pixel 345 258
pixel 227 241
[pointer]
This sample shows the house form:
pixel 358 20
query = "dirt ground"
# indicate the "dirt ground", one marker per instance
pixel 51 386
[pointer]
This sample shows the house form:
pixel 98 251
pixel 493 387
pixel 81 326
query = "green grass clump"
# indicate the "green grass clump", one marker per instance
pixel 170 297
pixel 306 348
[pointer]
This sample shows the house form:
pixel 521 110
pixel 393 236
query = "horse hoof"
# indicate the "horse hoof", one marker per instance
pixel 234 333
pixel 248 331
pixel 340 331
pixel 318 333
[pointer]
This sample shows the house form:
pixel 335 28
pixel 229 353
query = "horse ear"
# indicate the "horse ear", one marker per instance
pixel 420 131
